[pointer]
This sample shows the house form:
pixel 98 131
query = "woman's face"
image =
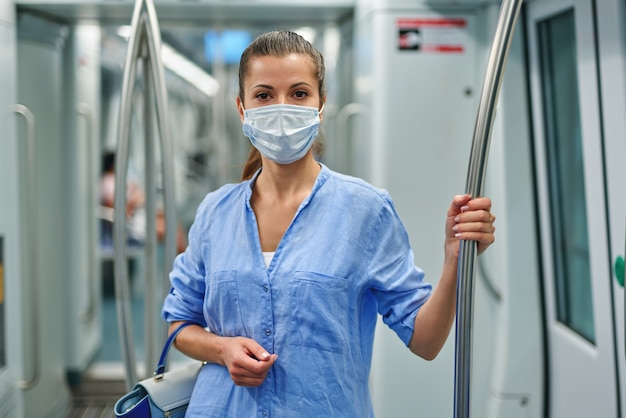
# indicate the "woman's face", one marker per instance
pixel 280 80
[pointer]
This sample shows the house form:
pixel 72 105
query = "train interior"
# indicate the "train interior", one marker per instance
pixel 404 83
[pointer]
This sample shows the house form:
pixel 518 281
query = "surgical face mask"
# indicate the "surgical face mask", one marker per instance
pixel 282 133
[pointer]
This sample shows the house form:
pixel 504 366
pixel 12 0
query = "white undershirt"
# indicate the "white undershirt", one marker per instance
pixel 267 256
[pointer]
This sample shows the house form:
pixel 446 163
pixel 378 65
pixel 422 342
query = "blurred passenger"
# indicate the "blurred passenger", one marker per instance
pixel 135 210
pixel 135 197
pixel 288 269
pixel 135 200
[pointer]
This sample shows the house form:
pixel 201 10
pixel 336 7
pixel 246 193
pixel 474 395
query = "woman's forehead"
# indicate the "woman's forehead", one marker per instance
pixel 276 68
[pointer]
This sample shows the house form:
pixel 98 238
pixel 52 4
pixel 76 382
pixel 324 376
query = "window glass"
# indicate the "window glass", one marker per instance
pixel 559 78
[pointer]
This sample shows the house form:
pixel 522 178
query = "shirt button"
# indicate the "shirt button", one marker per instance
pixel 266 288
pixel 268 332
pixel 264 413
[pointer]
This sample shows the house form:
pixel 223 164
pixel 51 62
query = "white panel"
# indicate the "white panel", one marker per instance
pixel 612 50
pixel 415 142
pixel 511 407
pixel 7 12
pixel 9 220
pixel 366 7
pixel 81 155
pixel 39 88
pixel 200 11
pixel 7 117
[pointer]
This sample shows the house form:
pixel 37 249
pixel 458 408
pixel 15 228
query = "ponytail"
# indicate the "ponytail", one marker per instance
pixel 253 163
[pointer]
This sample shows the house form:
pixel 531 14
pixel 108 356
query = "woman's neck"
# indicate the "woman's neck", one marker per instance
pixel 284 182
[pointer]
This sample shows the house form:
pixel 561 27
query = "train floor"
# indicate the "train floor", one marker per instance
pixel 95 398
pixel 103 383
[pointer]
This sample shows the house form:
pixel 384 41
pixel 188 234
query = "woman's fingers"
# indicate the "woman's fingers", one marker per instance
pixel 248 363
pixel 474 220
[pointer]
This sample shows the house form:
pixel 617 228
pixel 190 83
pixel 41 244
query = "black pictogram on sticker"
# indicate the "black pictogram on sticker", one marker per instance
pixel 409 39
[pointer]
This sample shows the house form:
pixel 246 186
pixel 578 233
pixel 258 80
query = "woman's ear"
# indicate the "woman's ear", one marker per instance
pixel 322 108
pixel 240 107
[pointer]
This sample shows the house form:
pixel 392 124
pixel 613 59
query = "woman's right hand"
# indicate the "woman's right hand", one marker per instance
pixel 246 360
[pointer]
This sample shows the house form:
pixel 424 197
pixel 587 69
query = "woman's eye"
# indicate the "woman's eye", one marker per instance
pixel 262 96
pixel 300 94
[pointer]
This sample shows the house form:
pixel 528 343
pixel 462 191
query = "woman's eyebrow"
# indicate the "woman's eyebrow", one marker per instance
pixel 301 83
pixel 268 87
pixel 263 86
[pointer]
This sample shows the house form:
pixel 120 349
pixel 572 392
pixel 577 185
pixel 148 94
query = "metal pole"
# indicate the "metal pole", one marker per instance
pixel 122 291
pixel 150 244
pixel 509 12
pixel 144 42
pixel 167 165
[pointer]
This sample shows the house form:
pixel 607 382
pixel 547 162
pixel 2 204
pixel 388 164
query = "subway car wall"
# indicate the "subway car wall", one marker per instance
pixel 404 79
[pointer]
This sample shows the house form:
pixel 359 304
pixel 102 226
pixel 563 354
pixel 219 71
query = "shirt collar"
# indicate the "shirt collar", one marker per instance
pixel 319 182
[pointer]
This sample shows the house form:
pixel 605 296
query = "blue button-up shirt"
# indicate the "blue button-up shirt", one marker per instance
pixel 345 257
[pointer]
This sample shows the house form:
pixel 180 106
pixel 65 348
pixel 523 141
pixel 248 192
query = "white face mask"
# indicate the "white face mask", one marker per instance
pixel 282 133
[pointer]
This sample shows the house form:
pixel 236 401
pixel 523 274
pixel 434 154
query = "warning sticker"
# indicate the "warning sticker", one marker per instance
pixel 439 35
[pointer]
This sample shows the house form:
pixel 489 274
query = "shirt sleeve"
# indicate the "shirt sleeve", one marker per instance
pixel 396 282
pixel 186 296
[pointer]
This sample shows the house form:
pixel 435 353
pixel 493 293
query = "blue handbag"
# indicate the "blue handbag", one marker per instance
pixel 164 394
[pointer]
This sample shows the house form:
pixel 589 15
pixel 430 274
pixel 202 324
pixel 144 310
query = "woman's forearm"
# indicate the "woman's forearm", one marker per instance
pixel 198 343
pixel 435 318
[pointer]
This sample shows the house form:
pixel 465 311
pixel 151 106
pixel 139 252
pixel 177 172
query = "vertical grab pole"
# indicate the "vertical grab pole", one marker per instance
pixel 144 42
pixel 122 291
pixel 153 36
pixel 498 55
pixel 151 239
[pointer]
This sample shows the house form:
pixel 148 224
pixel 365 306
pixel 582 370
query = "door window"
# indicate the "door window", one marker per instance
pixel 562 129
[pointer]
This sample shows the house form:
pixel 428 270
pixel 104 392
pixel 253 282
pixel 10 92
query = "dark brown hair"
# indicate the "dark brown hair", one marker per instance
pixel 278 44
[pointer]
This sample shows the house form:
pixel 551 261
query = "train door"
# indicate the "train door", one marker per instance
pixel 572 208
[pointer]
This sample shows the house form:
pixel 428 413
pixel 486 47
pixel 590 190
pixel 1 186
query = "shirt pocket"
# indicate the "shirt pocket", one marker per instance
pixel 221 304
pixel 321 314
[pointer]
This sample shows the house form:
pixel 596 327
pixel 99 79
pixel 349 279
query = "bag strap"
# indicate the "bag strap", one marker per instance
pixel 160 370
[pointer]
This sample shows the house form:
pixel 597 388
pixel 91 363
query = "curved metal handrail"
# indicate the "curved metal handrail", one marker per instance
pixel 88 314
pixel 344 115
pixel 477 169
pixel 167 165
pixel 31 240
pixel 144 42
pixel 150 246
pixel 119 201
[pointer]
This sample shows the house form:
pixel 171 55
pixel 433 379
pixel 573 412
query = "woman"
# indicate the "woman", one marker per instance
pixel 288 269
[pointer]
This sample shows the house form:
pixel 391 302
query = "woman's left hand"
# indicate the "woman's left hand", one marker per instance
pixel 469 219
